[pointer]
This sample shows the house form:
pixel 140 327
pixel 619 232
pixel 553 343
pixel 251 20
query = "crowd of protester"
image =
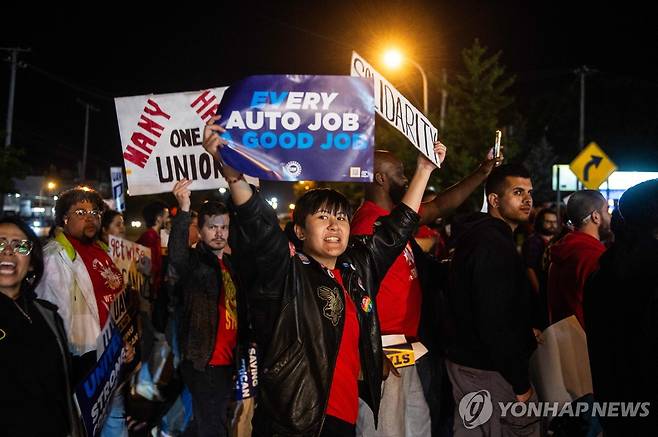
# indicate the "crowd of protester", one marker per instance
pixel 316 298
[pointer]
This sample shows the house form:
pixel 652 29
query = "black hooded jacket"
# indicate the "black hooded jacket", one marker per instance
pixel 302 314
pixel 489 302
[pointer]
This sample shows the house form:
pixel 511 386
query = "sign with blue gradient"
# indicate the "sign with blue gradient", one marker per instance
pixel 290 127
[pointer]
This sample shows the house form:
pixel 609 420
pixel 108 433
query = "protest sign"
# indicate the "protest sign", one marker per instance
pixel 291 127
pixel 162 136
pixel 246 382
pixel 131 259
pixel 95 392
pixel 400 352
pixel 118 188
pixel 560 367
pixel 398 111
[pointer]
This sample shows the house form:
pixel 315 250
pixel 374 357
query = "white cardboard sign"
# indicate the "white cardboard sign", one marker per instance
pixel 398 111
pixel 161 137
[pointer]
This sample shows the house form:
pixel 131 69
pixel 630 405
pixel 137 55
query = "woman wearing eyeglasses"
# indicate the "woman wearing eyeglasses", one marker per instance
pixel 35 384
pixel 82 280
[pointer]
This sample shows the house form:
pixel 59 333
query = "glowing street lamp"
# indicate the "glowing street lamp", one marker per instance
pixel 393 59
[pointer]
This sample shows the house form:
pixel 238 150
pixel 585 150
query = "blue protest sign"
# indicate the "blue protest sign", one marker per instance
pixel 246 382
pixel 94 393
pixel 291 127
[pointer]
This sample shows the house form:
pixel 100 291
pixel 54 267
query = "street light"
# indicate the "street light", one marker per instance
pixel 393 59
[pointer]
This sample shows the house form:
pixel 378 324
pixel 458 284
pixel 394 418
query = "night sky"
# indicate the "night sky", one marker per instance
pixel 119 49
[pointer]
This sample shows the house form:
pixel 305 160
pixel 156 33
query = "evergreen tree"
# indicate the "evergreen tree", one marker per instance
pixel 477 101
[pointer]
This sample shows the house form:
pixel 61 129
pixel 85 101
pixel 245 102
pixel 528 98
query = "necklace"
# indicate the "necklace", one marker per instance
pixel 29 319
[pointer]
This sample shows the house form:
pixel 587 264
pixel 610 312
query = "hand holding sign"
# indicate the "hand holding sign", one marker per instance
pixel 240 190
pixel 440 150
pixel 212 142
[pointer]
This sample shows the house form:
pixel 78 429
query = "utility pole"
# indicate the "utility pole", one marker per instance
pixel 12 87
pixel 583 72
pixel 444 98
pixel 88 107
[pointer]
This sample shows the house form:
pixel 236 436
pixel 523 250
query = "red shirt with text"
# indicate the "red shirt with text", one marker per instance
pixel 106 279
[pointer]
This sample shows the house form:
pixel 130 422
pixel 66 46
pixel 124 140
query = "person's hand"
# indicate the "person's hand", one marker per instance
pixel 388 368
pixel 425 164
pixel 212 142
pixel 182 193
pixel 129 353
pixel 525 397
pixel 211 139
pixel 490 162
pixel 538 336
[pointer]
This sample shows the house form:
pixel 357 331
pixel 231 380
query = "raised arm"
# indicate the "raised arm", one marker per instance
pixel 241 191
pixel 449 200
pixel 392 233
pixel 255 233
pixel 424 168
pixel 179 250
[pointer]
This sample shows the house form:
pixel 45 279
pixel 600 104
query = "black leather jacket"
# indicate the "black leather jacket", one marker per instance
pixel 303 314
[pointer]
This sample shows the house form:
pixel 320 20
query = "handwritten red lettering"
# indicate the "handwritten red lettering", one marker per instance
pixel 142 140
pixel 207 105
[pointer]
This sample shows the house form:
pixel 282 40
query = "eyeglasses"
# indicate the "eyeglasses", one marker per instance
pixel 82 213
pixel 21 247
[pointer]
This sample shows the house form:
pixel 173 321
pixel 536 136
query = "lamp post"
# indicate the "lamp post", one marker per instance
pixel 393 59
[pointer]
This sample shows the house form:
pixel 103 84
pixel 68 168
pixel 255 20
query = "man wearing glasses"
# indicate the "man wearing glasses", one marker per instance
pixel 82 280
pixel 576 255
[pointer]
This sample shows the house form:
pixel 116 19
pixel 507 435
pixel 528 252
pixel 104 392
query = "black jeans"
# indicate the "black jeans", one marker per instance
pixel 211 391
pixel 334 427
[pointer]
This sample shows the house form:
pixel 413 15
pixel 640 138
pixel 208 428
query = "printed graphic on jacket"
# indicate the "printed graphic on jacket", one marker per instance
pixel 334 306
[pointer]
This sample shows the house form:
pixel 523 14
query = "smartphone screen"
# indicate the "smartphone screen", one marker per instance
pixel 499 135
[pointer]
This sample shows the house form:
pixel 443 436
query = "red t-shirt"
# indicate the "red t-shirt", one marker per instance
pixel 106 279
pixel 344 394
pixel 227 325
pixel 151 239
pixel 400 297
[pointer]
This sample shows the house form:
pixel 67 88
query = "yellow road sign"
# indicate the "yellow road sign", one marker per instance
pixel 592 166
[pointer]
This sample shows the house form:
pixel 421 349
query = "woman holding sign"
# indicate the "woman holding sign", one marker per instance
pixel 35 383
pixel 318 327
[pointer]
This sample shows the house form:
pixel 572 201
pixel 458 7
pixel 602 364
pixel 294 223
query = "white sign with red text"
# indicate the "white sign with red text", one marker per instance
pixel 161 138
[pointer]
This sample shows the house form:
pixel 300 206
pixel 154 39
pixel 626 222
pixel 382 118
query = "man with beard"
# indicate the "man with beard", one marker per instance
pixel 576 255
pixel 546 227
pixel 489 306
pixel 208 330
pixel 404 410
pixel 82 280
